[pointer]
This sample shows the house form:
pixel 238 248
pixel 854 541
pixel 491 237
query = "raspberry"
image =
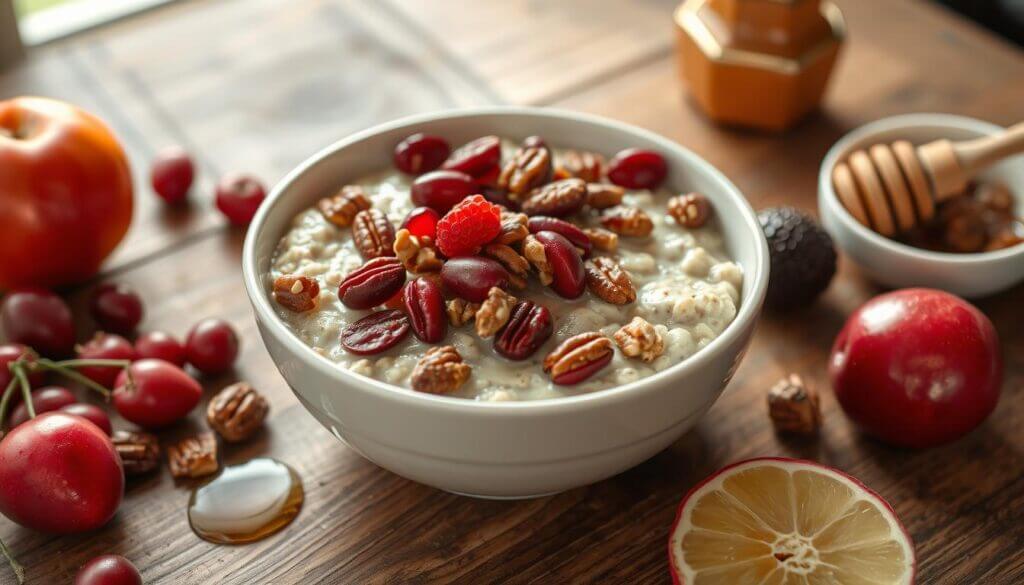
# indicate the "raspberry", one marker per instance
pixel 469 225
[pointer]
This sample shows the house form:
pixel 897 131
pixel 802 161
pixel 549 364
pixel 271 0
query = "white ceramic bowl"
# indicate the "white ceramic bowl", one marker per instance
pixel 518 449
pixel 899 265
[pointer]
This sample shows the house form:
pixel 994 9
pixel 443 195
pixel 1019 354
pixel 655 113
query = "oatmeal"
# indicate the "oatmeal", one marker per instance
pixel 610 291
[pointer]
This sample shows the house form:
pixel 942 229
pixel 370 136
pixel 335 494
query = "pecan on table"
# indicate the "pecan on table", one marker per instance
pixel 604 195
pixel 794 407
pixel 342 207
pixel 440 371
pixel 494 312
pixel 581 164
pixel 296 293
pixel 530 167
pixel 417 253
pixel 139 452
pixel 578 358
pixel 608 281
pixel 556 199
pixel 602 239
pixel 690 211
pixel 627 221
pixel 533 251
pixel 638 338
pixel 517 266
pixel 513 228
pixel 236 412
pixel 373 234
pixel 461 311
pixel 194 456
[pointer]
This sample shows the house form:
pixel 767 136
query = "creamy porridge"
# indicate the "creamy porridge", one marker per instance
pixel 685 287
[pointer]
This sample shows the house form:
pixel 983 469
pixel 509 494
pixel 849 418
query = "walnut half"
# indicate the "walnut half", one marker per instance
pixel 440 371
pixel 638 338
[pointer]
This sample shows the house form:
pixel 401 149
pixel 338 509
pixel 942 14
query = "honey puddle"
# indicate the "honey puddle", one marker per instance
pixel 246 502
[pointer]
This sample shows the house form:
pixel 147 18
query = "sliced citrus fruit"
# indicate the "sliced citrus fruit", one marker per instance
pixel 774 521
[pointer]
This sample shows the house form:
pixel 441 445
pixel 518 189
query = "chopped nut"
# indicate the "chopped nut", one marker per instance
pixel 609 282
pixel 461 311
pixel 440 371
pixel 794 407
pixel 296 293
pixel 581 164
pixel 604 195
pixel 341 208
pixel 236 412
pixel 518 267
pixel 690 211
pixel 494 312
pixel 602 239
pixel 139 452
pixel 194 456
pixel 533 250
pixel 627 221
pixel 578 358
pixel 530 167
pixel 416 253
pixel 513 228
pixel 638 338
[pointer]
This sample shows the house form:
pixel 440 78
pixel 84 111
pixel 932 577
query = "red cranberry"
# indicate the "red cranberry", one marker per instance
pixel 116 308
pixel 476 157
pixel 441 190
pixel 422 221
pixel 172 174
pixel 211 346
pixel 39 319
pixel 421 153
pixel 239 196
pixel 105 346
pixel 424 305
pixel 567 272
pixel 43 400
pixel 471 277
pixel 637 168
pixel 91 413
pixel 11 352
pixel 161 346
pixel 108 570
pixel 581 240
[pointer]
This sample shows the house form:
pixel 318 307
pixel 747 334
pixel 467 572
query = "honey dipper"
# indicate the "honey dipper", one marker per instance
pixel 891 188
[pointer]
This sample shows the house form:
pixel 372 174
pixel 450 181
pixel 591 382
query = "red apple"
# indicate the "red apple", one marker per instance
pixel 917 367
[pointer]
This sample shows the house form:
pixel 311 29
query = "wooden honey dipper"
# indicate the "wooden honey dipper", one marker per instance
pixel 891 188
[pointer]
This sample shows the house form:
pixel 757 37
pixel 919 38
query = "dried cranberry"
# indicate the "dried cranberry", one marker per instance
pixel 422 221
pixel 421 153
pixel 541 223
pixel 424 304
pixel 470 277
pixel 637 168
pixel 528 327
pixel 476 157
pixel 375 333
pixel 372 283
pixel 441 190
pixel 569 278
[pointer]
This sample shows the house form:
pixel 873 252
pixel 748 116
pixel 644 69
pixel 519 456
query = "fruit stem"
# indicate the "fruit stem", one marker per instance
pixel 19 571
pixel 65 369
pixel 6 400
pixel 26 390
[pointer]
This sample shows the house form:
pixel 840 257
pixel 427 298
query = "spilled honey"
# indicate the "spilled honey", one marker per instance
pixel 246 502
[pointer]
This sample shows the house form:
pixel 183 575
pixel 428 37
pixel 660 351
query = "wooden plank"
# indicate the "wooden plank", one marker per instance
pixel 11 50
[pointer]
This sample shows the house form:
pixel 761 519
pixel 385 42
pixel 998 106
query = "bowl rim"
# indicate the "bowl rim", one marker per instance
pixel 896 123
pixel 741 324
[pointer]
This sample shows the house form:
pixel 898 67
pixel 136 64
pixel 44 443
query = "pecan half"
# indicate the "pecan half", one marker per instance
pixel 236 412
pixel 440 371
pixel 638 338
pixel 417 253
pixel 794 407
pixel 609 282
pixel 602 239
pixel 581 164
pixel 342 207
pixel 627 221
pixel 194 456
pixel 139 452
pixel 518 267
pixel 533 251
pixel 690 211
pixel 604 195
pixel 461 311
pixel 296 293
pixel 556 199
pixel 578 358
pixel 530 167
pixel 494 312
pixel 513 228
pixel 373 234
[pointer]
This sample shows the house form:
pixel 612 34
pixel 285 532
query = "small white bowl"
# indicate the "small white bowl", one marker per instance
pixel 898 265
pixel 517 449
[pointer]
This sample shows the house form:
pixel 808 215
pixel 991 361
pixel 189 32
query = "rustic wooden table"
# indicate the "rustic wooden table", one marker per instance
pixel 261 84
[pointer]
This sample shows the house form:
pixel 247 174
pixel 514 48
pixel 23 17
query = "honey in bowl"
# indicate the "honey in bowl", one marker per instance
pixel 246 502
pixel 981 220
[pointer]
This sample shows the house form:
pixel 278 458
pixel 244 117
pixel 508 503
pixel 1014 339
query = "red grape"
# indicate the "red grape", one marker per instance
pixel 39 319
pixel 239 196
pixel 43 400
pixel 172 174
pixel 91 413
pixel 212 346
pixel 159 394
pixel 108 570
pixel 116 308
pixel 105 346
pixel 162 346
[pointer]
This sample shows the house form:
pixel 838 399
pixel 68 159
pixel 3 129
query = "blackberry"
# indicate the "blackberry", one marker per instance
pixel 803 259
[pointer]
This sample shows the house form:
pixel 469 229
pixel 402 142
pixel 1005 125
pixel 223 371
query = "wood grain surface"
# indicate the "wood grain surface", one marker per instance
pixel 260 85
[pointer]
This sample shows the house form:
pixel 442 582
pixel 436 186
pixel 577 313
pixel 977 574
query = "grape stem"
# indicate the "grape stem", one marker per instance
pixel 66 369
pixel 6 400
pixel 26 390
pixel 19 571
